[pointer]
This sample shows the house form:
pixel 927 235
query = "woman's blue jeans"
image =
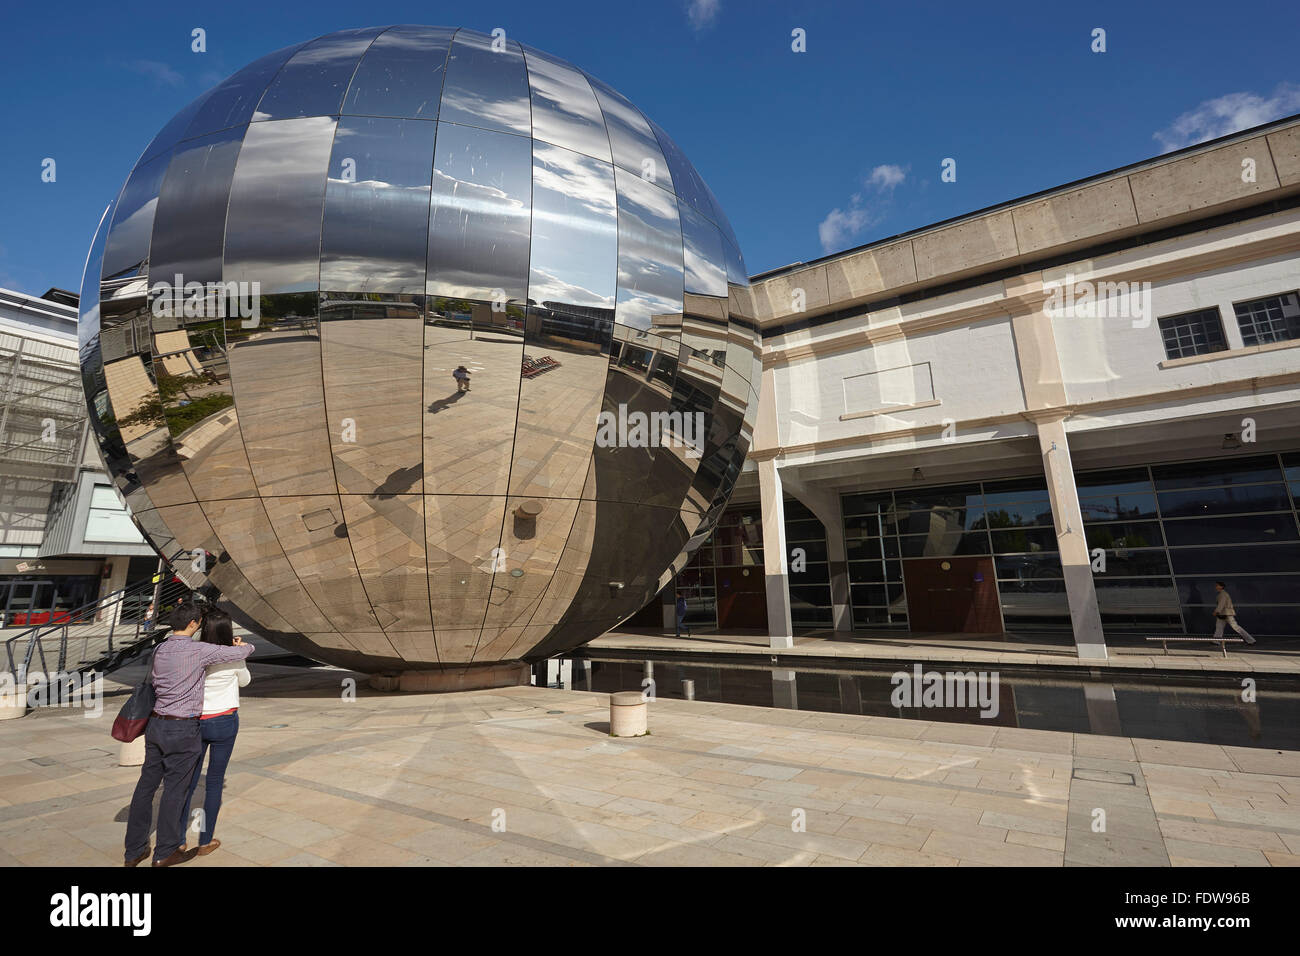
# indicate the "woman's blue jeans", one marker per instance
pixel 218 733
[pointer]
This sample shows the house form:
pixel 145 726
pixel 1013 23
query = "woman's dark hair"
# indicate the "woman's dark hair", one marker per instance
pixel 216 628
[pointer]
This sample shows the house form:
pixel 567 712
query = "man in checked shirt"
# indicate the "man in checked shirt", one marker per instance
pixel 172 740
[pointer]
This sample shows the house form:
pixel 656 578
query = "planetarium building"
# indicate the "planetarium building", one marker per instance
pixel 420 348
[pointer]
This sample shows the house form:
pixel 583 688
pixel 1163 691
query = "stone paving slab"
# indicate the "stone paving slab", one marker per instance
pixel 529 776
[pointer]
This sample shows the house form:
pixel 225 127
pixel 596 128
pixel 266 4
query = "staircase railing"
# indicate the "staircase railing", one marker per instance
pixel 98 636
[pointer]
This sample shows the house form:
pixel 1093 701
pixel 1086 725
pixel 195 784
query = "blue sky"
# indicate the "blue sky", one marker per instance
pixel 808 152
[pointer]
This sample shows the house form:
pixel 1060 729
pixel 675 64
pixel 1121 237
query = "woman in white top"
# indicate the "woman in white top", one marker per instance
pixel 218 726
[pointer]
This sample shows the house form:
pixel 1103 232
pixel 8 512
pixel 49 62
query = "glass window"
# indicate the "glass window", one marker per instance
pixel 1234 499
pixel 874 571
pixel 1192 333
pixel 877 503
pixel 944 544
pixel 565 111
pixel 1198 474
pixel 376 226
pixel 314 80
pixel 1243 528
pixel 484 87
pixel 1020 489
pixel 1118 506
pixel 1112 482
pixel 1015 515
pixel 1275 318
pixel 1026 567
pixel 401 74
pixel 1024 540
pixel 1123 562
pixel 868 548
pixel 1222 562
pixel 951 496
pixel 1253 589
pixel 1145 534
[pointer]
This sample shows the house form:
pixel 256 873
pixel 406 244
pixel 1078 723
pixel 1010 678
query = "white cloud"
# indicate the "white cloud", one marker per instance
pixel 887 177
pixel 702 13
pixel 159 72
pixel 842 225
pixel 1228 114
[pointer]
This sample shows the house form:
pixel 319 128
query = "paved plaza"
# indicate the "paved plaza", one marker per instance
pixel 530 776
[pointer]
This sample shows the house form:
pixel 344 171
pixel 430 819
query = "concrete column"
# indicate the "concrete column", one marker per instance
pixel 115 581
pixel 775 567
pixel 668 601
pixel 826 506
pixel 785 692
pixel 1076 562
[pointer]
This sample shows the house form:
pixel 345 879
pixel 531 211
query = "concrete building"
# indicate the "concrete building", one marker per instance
pixel 1075 410
pixel 65 539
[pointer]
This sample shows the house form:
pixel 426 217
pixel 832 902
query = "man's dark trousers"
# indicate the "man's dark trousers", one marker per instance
pixel 171 752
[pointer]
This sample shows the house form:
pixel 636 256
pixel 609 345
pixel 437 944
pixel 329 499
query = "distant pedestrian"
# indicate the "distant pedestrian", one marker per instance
pixel 461 375
pixel 1225 613
pixel 681 616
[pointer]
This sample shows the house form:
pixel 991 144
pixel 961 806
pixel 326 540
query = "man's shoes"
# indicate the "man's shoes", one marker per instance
pixel 1250 640
pixel 139 859
pixel 208 847
pixel 178 856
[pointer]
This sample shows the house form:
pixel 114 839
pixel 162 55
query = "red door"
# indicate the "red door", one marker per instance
pixel 952 595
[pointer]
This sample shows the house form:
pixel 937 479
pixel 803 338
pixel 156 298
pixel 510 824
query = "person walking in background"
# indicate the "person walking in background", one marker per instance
pixel 461 375
pixel 1225 613
pixel 681 616
pixel 218 725
pixel 172 741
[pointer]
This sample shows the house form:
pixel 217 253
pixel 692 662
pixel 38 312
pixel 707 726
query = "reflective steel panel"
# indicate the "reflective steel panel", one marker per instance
pixel 486 84
pixel 374 237
pixel 274 222
pixel 442 355
pixel 565 111
pixel 314 80
pixel 232 102
pixel 401 74
pixel 633 142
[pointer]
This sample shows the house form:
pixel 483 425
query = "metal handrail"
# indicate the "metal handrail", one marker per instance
pixel 36 635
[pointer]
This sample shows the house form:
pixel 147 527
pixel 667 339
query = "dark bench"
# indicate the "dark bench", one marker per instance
pixel 1223 642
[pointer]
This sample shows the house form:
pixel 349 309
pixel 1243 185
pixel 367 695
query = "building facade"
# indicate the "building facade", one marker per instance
pixel 1074 411
pixel 65 539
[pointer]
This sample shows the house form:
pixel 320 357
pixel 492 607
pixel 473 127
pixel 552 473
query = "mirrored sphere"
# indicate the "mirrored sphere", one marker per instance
pixel 420 348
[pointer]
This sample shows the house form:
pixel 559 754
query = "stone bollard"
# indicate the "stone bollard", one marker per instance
pixel 628 712
pixel 131 754
pixel 688 689
pixel 13 698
